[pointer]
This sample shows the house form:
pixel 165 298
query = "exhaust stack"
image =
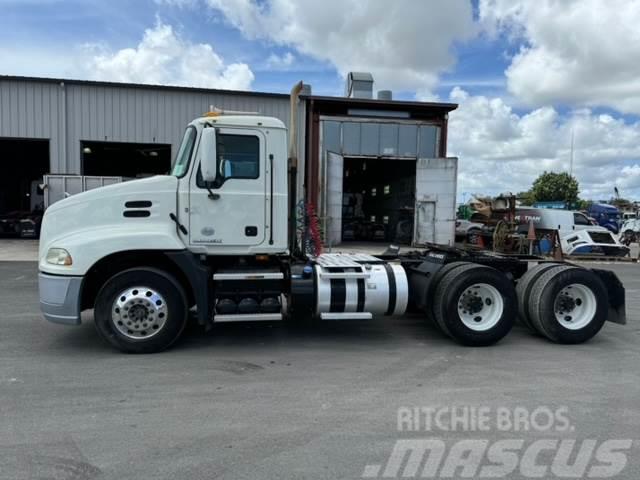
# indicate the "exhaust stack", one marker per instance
pixel 293 162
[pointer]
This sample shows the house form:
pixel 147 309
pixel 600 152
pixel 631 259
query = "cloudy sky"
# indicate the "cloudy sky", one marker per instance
pixel 528 75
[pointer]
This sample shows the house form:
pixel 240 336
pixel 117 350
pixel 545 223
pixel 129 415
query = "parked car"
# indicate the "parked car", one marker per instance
pixel 21 224
pixel 469 231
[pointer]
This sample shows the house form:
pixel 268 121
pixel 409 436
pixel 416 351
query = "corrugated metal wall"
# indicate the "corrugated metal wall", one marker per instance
pixel 96 112
pixel 32 110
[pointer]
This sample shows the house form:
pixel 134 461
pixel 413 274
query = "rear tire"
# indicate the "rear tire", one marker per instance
pixel 475 305
pixel 438 276
pixel 523 290
pixel 142 310
pixel 568 305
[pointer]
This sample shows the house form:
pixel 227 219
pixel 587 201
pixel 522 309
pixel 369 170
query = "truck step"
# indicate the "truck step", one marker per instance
pixel 248 317
pixel 249 276
pixel 346 316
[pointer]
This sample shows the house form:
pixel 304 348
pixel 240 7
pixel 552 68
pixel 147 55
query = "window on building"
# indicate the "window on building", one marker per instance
pixel 387 189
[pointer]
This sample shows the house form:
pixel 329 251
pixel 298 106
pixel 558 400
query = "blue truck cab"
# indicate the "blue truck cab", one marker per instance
pixel 607 216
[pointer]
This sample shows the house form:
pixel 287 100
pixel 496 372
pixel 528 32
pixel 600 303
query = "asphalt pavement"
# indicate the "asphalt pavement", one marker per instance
pixel 270 401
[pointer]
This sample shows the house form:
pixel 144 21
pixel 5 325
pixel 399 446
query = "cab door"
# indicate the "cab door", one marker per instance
pixel 232 211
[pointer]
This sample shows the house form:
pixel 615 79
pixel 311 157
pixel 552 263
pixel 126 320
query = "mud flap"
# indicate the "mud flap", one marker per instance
pixel 615 289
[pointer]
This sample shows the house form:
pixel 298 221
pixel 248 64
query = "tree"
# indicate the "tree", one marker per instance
pixel 525 198
pixel 583 204
pixel 621 202
pixel 555 187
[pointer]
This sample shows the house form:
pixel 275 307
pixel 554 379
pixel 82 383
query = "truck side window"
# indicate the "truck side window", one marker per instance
pixel 181 165
pixel 579 219
pixel 238 157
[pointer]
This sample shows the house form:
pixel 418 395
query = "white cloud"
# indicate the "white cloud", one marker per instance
pixel 501 150
pixel 406 44
pixel 580 52
pixel 281 62
pixel 164 57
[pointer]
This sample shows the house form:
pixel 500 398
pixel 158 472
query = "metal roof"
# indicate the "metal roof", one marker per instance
pixel 142 86
pixel 446 107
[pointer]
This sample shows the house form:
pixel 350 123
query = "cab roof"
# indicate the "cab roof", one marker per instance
pixel 240 120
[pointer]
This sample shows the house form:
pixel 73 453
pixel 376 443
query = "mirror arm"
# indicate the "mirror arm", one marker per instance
pixel 212 196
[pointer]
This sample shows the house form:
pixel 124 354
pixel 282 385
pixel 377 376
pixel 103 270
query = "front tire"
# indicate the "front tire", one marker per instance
pixel 475 305
pixel 142 310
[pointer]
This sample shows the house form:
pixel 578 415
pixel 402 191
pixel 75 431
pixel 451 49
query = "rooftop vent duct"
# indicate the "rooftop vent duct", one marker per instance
pixel 359 85
pixel 385 95
pixel 306 89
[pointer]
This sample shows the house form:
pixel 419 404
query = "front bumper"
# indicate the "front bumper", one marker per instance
pixel 60 298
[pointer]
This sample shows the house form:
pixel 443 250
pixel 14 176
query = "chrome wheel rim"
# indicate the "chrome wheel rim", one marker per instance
pixel 575 306
pixel 480 307
pixel 139 313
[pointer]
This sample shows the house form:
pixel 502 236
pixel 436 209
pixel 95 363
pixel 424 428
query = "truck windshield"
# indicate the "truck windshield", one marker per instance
pixel 181 165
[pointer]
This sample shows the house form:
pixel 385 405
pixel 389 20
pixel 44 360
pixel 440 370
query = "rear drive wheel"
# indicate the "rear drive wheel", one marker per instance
pixel 141 310
pixel 476 305
pixel 438 276
pixel 568 304
pixel 523 290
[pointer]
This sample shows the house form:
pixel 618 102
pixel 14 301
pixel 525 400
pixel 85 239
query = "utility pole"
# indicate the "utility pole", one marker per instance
pixel 571 158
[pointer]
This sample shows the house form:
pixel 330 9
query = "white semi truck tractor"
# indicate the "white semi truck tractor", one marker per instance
pixel 216 239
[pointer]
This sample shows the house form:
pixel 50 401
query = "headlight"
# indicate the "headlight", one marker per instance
pixel 59 256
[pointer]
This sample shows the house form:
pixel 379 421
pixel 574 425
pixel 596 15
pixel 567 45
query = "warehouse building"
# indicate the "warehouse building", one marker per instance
pixel 366 163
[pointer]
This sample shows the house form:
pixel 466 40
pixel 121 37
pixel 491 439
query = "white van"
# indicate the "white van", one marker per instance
pixel 564 221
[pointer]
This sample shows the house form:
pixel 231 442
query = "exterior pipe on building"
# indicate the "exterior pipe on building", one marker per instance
pixel 63 110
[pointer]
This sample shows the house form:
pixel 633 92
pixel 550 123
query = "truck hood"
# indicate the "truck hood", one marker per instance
pixel 133 205
pixel 133 188
pixel 593 241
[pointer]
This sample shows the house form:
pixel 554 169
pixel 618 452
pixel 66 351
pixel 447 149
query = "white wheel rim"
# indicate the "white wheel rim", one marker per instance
pixel 139 313
pixel 480 307
pixel 575 306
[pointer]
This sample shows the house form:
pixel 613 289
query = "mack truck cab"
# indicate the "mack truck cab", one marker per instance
pixel 214 240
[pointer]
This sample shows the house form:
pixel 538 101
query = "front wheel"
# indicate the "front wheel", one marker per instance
pixel 142 310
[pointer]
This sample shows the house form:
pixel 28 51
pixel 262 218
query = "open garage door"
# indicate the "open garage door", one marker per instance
pixel 132 160
pixel 378 199
pixel 24 162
